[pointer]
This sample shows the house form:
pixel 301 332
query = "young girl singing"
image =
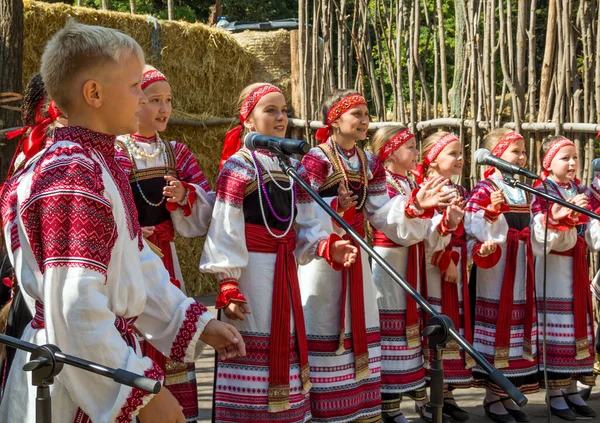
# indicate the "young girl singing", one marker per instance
pixel 498 218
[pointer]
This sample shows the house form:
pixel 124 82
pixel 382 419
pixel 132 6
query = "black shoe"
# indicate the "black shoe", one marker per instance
pixel 500 418
pixel 585 393
pixel 565 414
pixel 519 415
pixel 427 408
pixel 582 410
pixel 386 418
pixel 455 412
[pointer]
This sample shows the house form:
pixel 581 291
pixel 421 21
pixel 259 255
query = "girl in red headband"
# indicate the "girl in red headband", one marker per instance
pixel 498 218
pixel 446 264
pixel 260 219
pixel 341 306
pixel 401 319
pixel 569 315
pixel 171 194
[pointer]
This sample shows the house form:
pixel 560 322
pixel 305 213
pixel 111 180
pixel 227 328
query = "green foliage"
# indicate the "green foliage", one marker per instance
pixel 199 10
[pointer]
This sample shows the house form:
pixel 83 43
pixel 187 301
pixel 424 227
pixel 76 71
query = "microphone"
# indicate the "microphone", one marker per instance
pixel 484 157
pixel 279 146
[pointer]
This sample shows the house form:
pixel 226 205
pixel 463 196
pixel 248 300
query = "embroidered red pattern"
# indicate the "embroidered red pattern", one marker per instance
pixel 394 143
pixel 67 222
pixel 505 142
pixel 136 398
pixel 342 106
pixel 553 151
pixel 152 76
pixel 438 148
pixel 254 97
pixel 188 329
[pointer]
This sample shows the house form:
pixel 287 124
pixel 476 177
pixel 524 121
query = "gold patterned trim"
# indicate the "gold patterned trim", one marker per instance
pixel 413 335
pixel 501 357
pixel 279 398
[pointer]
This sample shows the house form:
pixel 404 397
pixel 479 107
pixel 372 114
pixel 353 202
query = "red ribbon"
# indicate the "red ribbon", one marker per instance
pixel 286 299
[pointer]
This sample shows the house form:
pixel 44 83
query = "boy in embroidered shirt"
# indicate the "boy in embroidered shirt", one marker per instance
pixel 74 238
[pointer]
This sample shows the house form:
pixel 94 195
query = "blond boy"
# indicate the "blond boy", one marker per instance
pixel 73 237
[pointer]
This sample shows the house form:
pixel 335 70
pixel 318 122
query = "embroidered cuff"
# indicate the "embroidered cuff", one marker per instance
pixel 324 250
pixel 444 230
pixel 137 398
pixel 413 209
pixel 492 215
pixel 563 225
pixel 184 345
pixel 229 291
pixel 489 261
pixel 187 204
pixel 442 259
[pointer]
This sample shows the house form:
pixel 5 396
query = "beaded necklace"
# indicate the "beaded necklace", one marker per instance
pixel 127 140
pixel 514 195
pixel 138 152
pixel 346 158
pixel 263 188
pixel 391 178
pixel 569 189
pixel 363 175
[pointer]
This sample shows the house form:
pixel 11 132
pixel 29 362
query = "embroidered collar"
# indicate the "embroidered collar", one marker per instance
pixel 140 138
pixel 103 143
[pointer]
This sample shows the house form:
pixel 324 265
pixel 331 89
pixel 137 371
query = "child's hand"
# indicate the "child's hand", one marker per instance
pixel 147 231
pixel 345 199
pixel 174 191
pixel 497 199
pixel 342 252
pixel 560 212
pixel 580 200
pixel 487 248
pixel 162 408
pixel 451 273
pixel 237 311
pixel 224 338
pixel 431 195
pixel 455 212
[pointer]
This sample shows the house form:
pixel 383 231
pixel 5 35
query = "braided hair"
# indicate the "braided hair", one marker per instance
pixel 34 93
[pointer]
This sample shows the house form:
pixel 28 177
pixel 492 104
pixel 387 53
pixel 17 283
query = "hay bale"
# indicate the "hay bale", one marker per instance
pixel 271 57
pixel 206 67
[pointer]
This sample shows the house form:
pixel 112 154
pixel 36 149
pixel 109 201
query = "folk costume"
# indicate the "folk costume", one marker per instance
pixel 401 318
pixel 340 307
pixel 72 231
pixel 261 226
pixel 502 283
pixel 146 161
pixel 448 298
pixel 569 314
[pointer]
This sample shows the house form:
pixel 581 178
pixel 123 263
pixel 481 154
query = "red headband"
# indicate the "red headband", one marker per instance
pixel 431 155
pixel 34 142
pixel 151 76
pixel 551 154
pixel 233 138
pixel 394 143
pixel 337 110
pixel 500 148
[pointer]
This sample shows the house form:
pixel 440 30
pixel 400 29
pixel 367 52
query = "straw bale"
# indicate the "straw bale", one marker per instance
pixel 271 56
pixel 206 67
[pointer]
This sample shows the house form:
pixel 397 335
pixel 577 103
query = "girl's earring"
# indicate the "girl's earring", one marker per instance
pixel 337 130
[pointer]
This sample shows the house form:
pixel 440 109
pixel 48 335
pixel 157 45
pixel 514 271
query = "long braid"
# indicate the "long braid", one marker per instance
pixel 33 94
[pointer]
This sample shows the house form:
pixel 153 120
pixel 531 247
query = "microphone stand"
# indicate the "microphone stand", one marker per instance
pixel 47 361
pixel 440 328
pixel 510 180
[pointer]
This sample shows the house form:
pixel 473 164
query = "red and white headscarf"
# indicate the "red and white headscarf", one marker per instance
pixel 233 138
pixel 337 110
pixel 500 148
pixel 151 76
pixel 431 155
pixel 394 143
pixel 551 153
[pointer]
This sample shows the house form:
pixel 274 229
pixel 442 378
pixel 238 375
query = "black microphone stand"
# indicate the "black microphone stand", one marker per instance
pixel 47 361
pixel 440 328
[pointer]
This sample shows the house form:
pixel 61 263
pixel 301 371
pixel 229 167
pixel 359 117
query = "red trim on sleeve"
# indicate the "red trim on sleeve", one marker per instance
pixel 229 291
pixel 489 261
